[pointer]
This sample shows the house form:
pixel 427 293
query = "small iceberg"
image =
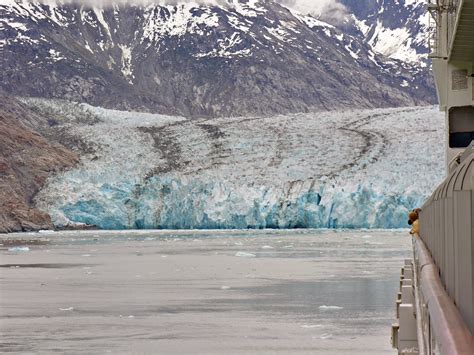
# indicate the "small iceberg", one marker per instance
pixel 328 308
pixel 242 254
pixel 46 231
pixel 311 326
pixel 69 309
pixel 19 249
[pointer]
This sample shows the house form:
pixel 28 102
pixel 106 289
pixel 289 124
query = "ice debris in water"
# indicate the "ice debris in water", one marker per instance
pixel 69 309
pixel 327 308
pixel 130 316
pixel 267 247
pixel 225 288
pixel 19 249
pixel 242 254
pixel 311 326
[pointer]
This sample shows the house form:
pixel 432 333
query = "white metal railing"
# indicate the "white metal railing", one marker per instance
pixel 446 222
pixel 442 25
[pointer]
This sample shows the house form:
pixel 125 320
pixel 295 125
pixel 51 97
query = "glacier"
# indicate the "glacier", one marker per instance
pixel 177 204
pixel 352 169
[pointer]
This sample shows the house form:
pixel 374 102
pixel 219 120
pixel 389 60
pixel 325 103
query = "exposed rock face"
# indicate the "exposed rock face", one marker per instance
pixel 26 160
pixel 245 58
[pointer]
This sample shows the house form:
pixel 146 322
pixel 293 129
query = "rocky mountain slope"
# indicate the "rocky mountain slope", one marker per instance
pixel 248 57
pixel 26 160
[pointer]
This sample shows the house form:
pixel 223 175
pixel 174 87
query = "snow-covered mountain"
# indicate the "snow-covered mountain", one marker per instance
pixel 397 29
pixel 245 57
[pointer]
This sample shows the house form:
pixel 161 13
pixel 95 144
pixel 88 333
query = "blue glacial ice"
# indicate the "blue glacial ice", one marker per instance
pixel 360 169
pixel 172 204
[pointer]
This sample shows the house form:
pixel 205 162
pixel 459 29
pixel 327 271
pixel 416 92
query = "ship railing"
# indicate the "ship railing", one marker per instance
pixel 442 26
pixel 443 330
pixel 434 29
pixel 446 259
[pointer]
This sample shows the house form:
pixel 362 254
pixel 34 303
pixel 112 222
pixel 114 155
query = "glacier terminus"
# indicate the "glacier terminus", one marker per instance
pixel 319 170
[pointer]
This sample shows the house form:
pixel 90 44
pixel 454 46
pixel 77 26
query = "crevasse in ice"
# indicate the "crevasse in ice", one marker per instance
pixel 174 204
pixel 361 169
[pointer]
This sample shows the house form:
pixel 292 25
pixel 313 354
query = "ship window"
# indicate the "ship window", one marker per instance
pixel 461 126
pixel 459 79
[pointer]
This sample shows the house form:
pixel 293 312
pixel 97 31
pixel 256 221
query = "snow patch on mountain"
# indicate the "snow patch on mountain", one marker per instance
pixel 397 29
pixel 394 43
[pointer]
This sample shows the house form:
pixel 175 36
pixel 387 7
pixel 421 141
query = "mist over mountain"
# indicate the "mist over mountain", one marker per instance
pixel 202 59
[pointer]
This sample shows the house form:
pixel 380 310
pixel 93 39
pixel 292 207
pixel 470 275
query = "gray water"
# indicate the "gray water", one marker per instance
pixel 207 292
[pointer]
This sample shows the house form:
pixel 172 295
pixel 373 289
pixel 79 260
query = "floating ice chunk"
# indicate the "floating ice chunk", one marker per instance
pixel 366 236
pixel 373 243
pixel 327 308
pixel 69 309
pixel 225 288
pixel 288 247
pixel 311 326
pixel 86 255
pixel 326 336
pixel 267 247
pixel 19 249
pixel 242 254
pixel 238 243
pixel 46 231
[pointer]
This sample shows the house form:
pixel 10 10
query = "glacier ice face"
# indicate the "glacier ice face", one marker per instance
pixel 174 204
pixel 361 169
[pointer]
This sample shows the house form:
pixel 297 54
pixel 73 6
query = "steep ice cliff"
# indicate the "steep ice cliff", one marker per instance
pixel 360 169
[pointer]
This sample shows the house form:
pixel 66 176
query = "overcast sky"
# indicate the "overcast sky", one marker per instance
pixel 316 7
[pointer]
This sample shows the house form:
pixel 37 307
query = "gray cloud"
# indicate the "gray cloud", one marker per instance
pixel 106 3
pixel 327 9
